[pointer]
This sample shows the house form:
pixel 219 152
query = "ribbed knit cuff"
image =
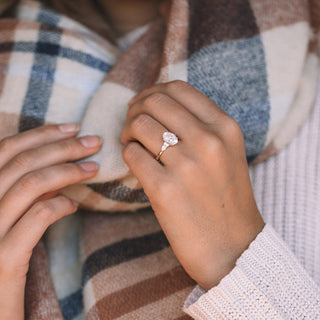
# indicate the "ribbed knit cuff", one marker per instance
pixel 267 283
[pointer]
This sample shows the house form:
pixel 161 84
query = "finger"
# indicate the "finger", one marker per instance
pixel 148 132
pixel 11 146
pixel 194 100
pixel 58 152
pixel 143 166
pixel 171 114
pixel 27 232
pixel 49 195
pixel 34 184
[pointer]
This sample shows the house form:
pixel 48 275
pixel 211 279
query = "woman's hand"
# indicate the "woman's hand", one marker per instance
pixel 201 191
pixel 33 166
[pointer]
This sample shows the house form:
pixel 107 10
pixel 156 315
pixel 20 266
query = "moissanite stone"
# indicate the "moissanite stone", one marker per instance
pixel 170 138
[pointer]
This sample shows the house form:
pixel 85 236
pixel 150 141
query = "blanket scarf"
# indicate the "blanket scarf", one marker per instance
pixel 256 59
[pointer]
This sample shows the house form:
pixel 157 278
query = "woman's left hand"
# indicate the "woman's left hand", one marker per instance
pixel 201 191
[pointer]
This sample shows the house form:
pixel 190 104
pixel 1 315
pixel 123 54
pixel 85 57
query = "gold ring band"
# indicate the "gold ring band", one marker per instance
pixel 159 155
pixel 169 139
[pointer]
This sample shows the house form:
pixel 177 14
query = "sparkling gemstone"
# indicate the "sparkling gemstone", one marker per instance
pixel 170 138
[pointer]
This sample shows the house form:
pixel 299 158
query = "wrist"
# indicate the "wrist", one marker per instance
pixel 228 258
pixel 216 273
pixel 12 293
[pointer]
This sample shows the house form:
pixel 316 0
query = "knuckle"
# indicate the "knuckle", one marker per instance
pixel 31 180
pixel 188 166
pixel 23 160
pixel 211 144
pixel 43 211
pixel 232 130
pixel 6 144
pixel 177 85
pixel 69 146
pixel 144 92
pixel 154 99
pixel 48 211
pixel 139 122
pixel 65 202
pixel 129 152
pixel 72 171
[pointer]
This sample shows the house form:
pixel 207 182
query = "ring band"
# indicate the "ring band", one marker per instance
pixel 169 140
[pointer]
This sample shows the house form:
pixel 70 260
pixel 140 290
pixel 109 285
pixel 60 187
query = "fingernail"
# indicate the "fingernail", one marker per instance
pixel 90 141
pixel 89 166
pixel 69 127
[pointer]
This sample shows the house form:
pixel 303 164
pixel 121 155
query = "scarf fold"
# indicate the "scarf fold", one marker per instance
pixel 256 59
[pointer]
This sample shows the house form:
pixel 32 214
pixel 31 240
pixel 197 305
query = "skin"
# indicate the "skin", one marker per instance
pixel 201 191
pixel 33 166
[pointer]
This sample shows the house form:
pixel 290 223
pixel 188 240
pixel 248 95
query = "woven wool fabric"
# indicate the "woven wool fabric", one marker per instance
pixel 256 59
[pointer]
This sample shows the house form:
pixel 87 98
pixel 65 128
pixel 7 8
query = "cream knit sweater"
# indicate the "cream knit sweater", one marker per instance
pixel 278 276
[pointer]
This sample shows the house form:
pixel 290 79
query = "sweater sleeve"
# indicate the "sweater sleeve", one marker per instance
pixel 267 283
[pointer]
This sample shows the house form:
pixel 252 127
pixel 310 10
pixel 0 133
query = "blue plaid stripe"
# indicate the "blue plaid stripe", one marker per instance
pixel 41 79
pixel 233 74
pixel 48 48
pixel 47 51
pixel 72 305
pixel 49 17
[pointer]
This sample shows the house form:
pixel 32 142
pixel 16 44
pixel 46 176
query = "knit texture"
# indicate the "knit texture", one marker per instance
pixel 278 276
pixel 267 283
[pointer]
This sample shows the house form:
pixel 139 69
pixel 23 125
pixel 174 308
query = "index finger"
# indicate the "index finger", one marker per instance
pixel 192 99
pixel 13 145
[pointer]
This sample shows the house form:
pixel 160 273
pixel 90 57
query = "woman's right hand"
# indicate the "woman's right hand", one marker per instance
pixel 33 165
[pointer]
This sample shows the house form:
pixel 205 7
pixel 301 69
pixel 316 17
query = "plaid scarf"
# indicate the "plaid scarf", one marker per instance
pixel 256 59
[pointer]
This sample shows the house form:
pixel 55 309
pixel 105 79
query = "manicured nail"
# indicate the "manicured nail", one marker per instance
pixel 69 127
pixel 90 141
pixel 89 166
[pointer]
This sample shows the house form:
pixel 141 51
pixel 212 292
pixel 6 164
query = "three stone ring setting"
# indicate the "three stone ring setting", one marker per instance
pixel 169 140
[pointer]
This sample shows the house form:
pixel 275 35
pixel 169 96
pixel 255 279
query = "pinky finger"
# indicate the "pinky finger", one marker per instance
pixel 27 232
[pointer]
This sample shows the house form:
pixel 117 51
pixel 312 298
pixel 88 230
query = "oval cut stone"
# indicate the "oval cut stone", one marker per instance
pixel 170 138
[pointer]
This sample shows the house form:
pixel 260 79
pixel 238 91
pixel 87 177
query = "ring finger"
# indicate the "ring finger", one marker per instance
pixel 148 131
